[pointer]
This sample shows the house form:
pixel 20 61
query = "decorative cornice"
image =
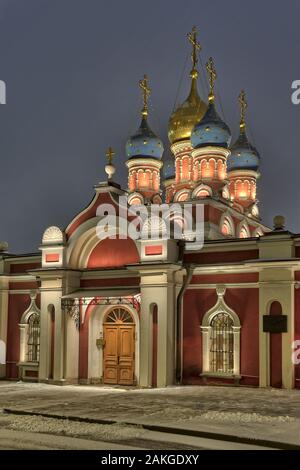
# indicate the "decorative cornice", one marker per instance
pixel 147 162
pixel 211 151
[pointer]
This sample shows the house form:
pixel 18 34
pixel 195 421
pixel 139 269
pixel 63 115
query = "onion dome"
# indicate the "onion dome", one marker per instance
pixel 169 169
pixel 186 116
pixel 211 130
pixel 144 143
pixel 184 119
pixel 243 155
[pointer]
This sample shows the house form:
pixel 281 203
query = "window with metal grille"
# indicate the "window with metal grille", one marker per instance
pixel 33 341
pixel 222 344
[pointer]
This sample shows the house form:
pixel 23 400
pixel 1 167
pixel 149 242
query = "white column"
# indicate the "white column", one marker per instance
pixel 23 341
pixel 288 368
pixel 45 337
pixel 51 296
pixel 166 336
pixel 237 350
pixel 158 288
pixel 59 335
pixel 3 323
pixel 283 292
pixel 147 298
pixel 71 350
pixel 205 349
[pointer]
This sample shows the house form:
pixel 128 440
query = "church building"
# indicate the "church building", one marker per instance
pixel 88 308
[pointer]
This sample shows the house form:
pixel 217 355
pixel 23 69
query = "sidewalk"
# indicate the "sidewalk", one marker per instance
pixel 271 415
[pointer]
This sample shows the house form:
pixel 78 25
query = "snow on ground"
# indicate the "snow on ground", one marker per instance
pixel 186 414
pixel 256 413
pixel 37 424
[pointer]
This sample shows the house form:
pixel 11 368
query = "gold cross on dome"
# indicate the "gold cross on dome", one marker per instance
pixel 243 105
pixel 192 37
pixel 212 78
pixel 110 155
pixel 146 93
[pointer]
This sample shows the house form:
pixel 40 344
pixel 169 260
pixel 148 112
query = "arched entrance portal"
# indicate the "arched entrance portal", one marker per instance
pixel 119 347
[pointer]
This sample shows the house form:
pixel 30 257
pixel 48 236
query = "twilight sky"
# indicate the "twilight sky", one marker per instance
pixel 72 69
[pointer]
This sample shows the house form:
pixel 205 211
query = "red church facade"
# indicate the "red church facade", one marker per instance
pixel 164 310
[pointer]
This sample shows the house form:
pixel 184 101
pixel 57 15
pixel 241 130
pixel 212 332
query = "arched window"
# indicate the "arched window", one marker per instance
pixel 222 344
pixel 119 316
pixel 30 333
pixel 221 330
pixel 33 338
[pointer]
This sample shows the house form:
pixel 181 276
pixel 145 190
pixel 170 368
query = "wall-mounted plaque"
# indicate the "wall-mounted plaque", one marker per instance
pixel 275 324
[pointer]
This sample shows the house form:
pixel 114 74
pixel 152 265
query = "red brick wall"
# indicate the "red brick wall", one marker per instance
pixel 245 302
pixel 17 305
pixel 113 253
pixel 221 257
pixel 22 268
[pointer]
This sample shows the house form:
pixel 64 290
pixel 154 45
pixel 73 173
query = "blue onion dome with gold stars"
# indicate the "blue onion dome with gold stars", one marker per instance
pixel 144 143
pixel 169 169
pixel 244 156
pixel 211 130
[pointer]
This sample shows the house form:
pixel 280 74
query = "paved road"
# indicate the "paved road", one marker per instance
pixel 17 440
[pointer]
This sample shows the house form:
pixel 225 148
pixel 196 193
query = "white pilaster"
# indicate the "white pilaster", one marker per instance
pixel 3 322
pixel 158 288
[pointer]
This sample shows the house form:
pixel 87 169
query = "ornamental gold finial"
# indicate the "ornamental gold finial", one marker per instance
pixel 243 105
pixel 192 37
pixel 212 76
pixel 110 155
pixel 146 93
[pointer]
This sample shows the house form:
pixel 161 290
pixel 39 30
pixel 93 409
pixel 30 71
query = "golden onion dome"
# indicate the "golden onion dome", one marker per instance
pixel 188 114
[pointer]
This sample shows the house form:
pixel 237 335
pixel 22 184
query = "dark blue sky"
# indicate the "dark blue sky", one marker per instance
pixel 72 69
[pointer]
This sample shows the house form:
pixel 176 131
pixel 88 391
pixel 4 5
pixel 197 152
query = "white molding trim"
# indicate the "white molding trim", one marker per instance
pixel 31 309
pixel 220 307
pixel 227 217
pixel 23 326
pixel 228 286
pixel 181 193
pixel 202 187
pixel 243 225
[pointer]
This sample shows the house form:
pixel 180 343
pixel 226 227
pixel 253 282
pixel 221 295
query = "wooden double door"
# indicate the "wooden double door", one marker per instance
pixel 119 348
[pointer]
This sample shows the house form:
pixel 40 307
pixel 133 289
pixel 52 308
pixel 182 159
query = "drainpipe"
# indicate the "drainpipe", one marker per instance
pixel 179 322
